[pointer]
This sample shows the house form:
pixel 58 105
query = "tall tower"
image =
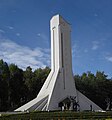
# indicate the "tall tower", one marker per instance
pixel 59 91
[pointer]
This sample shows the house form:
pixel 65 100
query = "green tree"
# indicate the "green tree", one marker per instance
pixel 28 79
pixel 34 80
pixel 16 86
pixel 96 87
pixel 4 85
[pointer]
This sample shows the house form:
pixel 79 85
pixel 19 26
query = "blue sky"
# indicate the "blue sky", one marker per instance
pixel 25 32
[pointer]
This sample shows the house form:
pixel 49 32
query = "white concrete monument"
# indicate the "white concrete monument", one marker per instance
pixel 59 91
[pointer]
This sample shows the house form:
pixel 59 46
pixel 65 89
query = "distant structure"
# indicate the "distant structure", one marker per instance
pixel 59 91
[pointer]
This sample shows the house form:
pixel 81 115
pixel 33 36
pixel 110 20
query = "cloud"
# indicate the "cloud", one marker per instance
pixel 86 51
pixel 96 15
pixel 75 51
pixel 42 36
pixel 95 45
pixel 38 34
pixel 23 56
pixel 10 27
pixel 18 34
pixel 109 58
pixel 2 31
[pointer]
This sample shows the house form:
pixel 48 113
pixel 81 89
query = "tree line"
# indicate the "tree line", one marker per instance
pixel 97 88
pixel 18 86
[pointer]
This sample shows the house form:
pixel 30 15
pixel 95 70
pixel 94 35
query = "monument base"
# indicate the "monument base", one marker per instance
pixel 53 96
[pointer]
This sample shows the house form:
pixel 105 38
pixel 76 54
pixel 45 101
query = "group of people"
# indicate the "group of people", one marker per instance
pixel 69 103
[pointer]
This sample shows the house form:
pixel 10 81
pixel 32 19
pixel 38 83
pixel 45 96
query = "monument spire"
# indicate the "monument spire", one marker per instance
pixel 59 89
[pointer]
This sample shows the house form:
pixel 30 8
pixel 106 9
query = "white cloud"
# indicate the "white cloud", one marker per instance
pixel 18 34
pixel 75 51
pixel 38 34
pixel 23 56
pixel 10 27
pixel 2 31
pixel 109 58
pixel 86 51
pixel 95 45
pixel 43 36
pixel 96 15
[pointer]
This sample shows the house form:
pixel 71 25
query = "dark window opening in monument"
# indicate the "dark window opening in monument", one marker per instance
pixel 62 48
pixel 62 58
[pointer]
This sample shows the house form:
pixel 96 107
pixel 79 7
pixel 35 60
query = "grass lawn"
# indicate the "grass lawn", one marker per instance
pixel 58 115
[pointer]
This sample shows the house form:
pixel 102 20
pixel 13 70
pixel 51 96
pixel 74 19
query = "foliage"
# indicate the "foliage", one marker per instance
pixel 17 87
pixel 97 87
pixel 4 85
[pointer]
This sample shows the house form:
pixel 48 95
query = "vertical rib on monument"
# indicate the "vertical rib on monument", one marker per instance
pixel 59 91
